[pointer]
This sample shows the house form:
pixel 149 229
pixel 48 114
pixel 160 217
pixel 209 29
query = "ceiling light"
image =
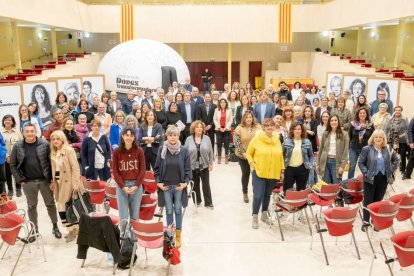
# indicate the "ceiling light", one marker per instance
pixel 87 35
pixel 325 33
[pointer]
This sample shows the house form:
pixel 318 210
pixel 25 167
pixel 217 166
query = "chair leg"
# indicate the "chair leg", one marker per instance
pixel 412 222
pixel 318 227
pixel 280 226
pixel 146 256
pixel 370 243
pixel 1 246
pixel 307 220
pixel 18 258
pixel 5 251
pixel 356 246
pixel 83 263
pixel 371 266
pixel 43 247
pixel 387 261
pixel 132 258
pixel 168 267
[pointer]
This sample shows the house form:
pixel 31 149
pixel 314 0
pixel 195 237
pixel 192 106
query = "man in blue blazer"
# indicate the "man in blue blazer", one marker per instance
pixel 196 98
pixel 264 109
pixel 188 114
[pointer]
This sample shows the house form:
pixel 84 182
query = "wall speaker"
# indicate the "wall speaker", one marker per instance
pixel 343 34
pixel 70 36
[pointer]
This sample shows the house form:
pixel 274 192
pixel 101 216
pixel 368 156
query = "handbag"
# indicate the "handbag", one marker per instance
pixel 75 207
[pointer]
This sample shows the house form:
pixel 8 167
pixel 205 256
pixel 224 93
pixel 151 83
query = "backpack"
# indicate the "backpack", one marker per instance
pixel 126 253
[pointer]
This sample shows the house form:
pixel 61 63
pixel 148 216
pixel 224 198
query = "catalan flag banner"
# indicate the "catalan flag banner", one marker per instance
pixel 127 22
pixel 285 23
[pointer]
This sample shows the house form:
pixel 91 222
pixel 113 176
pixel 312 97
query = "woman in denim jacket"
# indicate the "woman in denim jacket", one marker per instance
pixel 377 163
pixel 298 153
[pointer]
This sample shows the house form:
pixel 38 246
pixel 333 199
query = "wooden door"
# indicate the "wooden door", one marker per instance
pixel 255 70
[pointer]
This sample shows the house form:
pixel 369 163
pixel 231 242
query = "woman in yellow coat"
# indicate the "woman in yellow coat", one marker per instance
pixel 265 157
pixel 66 176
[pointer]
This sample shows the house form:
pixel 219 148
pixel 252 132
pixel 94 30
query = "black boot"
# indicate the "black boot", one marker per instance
pixel 56 232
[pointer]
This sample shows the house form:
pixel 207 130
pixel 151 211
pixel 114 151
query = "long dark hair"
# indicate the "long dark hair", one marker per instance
pixel 356 117
pixel 339 133
pixel 292 127
pixel 46 102
pixel 145 121
pixel 125 131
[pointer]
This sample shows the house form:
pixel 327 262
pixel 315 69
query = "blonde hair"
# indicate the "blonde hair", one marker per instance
pixel 383 104
pixel 378 133
pixel 195 124
pixel 62 137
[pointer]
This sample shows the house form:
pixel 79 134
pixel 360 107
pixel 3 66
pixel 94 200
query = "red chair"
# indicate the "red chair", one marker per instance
pixel 405 204
pixel 403 244
pixel 96 190
pixel 293 202
pixel 382 217
pixel 326 197
pixel 148 206
pixel 149 182
pixel 10 226
pixel 148 235
pixel 110 192
pixel 339 222
pixel 411 192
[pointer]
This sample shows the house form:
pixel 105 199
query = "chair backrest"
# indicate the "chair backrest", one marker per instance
pixel 149 182
pixel 148 206
pixel 329 192
pixel 10 225
pixel 96 190
pixel 297 199
pixel 406 207
pixel 411 191
pixel 355 188
pixel 340 220
pixel 110 192
pixel 7 207
pixel 404 247
pixel 148 231
pixel 383 214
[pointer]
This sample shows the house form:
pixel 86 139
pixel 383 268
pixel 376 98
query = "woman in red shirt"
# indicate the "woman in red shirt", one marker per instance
pixel 129 170
pixel 223 118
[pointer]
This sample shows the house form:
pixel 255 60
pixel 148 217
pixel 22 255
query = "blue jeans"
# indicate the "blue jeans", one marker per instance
pixel 353 158
pixel 206 86
pixel 173 205
pixel 330 172
pixel 262 190
pixel 128 205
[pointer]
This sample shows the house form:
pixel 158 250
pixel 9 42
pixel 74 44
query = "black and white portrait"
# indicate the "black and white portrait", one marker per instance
pixel 10 99
pixel 389 86
pixel 93 85
pixel 42 94
pixel 334 84
pixel 355 85
pixel 71 87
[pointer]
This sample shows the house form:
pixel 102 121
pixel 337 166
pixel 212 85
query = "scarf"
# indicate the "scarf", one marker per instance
pixel 360 128
pixel 71 136
pixel 380 120
pixel 173 149
pixel 395 132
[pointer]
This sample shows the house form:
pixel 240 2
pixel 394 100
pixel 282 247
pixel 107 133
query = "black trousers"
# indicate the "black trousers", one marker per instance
pixel 245 169
pixel 374 192
pixel 204 176
pixel 298 175
pixel 185 133
pixel 402 151
pixel 410 165
pixel 223 137
pixel 210 134
pixel 150 158
pixel 9 179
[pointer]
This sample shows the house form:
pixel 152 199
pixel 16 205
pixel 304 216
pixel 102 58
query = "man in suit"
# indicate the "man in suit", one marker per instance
pixel 188 114
pixel 196 98
pixel 148 99
pixel 264 109
pixel 205 113
pixel 127 103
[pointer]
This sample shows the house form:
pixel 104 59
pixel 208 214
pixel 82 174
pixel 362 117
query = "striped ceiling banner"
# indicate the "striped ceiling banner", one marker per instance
pixel 285 22
pixel 127 22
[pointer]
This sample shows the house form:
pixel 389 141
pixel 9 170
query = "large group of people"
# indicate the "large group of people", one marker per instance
pixel 284 136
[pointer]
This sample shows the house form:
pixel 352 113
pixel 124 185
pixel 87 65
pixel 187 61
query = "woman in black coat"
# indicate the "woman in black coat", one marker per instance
pixel 242 108
pixel 151 139
pixel 311 125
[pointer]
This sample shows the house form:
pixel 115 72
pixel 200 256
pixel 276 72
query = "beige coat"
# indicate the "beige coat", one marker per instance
pixel 342 150
pixel 217 116
pixel 69 177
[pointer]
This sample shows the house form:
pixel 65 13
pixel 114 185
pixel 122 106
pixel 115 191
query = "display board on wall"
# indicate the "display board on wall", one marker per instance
pixel 10 100
pixel 334 83
pixel 92 85
pixel 44 94
pixel 71 86
pixel 355 84
pixel 390 86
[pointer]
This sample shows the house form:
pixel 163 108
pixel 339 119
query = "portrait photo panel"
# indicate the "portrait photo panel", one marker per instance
pixel 355 84
pixel 71 87
pixel 93 85
pixel 10 100
pixel 334 83
pixel 43 93
pixel 390 86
